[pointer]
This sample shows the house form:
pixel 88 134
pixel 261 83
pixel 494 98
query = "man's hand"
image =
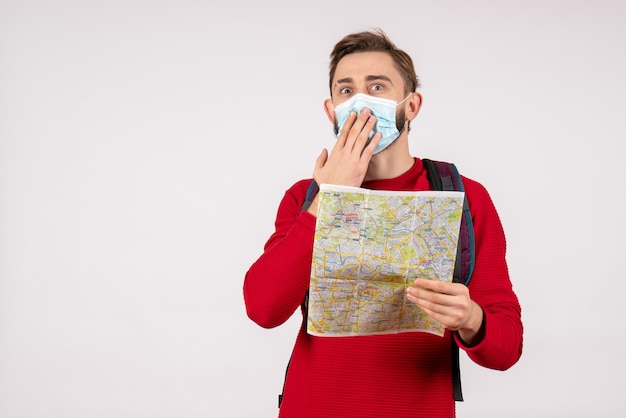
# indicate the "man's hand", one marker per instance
pixel 450 304
pixel 350 157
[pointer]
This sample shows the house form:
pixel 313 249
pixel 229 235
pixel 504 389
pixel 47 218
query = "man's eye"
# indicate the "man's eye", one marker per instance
pixel 376 87
pixel 345 90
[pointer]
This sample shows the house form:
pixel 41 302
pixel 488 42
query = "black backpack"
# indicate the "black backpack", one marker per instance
pixel 441 176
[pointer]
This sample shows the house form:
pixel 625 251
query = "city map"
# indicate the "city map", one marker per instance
pixel 370 245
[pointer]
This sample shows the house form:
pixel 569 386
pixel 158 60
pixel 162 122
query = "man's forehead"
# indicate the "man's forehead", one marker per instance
pixel 365 66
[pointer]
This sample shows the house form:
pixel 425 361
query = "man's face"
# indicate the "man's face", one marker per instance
pixel 372 73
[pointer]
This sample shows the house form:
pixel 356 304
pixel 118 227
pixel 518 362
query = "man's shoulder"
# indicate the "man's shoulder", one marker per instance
pixel 477 195
pixel 471 184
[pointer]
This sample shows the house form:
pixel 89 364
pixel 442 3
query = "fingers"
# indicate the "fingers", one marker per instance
pixel 368 151
pixel 321 159
pixel 319 165
pixel 343 134
pixel 430 299
pixel 438 286
pixel 356 130
pixel 449 303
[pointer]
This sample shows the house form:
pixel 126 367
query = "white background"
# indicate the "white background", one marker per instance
pixel 145 146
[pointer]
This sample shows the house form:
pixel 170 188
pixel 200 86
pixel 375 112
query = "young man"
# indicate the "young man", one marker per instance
pixel 395 375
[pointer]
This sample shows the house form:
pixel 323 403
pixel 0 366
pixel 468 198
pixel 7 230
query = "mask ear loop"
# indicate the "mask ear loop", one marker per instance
pixel 407 123
pixel 405 99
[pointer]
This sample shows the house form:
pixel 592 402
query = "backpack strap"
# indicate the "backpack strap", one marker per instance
pixel 310 195
pixel 445 176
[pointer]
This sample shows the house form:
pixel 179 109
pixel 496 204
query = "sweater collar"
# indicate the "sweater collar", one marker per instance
pixel 405 181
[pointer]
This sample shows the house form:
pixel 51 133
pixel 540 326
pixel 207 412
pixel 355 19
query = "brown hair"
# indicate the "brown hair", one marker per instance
pixel 370 41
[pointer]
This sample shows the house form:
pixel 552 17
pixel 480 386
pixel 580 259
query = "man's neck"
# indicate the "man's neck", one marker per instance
pixel 390 163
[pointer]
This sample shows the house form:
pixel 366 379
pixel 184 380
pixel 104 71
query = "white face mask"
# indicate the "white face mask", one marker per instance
pixel 383 109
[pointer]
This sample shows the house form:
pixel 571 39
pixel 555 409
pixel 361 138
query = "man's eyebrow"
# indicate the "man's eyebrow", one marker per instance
pixel 378 77
pixel 367 78
pixel 344 80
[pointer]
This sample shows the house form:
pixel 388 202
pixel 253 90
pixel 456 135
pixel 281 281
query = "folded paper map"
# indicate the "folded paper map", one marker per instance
pixel 370 245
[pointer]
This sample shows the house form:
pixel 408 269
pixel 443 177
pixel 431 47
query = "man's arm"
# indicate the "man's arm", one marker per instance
pixel 276 283
pixel 486 315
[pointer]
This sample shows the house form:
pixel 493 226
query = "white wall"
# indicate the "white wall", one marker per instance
pixel 145 145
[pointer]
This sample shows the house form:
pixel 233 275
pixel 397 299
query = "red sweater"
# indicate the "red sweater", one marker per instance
pixel 399 375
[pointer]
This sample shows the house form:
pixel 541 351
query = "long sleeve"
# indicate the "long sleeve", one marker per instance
pixel 501 345
pixel 276 284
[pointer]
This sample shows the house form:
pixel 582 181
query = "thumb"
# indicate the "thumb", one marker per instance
pixel 321 160
pixel 319 165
